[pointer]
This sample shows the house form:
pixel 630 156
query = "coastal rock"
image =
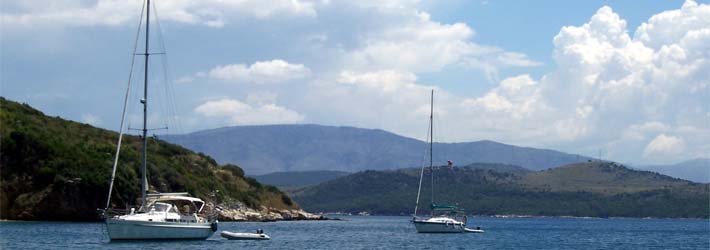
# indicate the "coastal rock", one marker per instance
pixel 239 212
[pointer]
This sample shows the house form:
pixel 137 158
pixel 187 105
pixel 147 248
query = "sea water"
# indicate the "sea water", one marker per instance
pixel 381 232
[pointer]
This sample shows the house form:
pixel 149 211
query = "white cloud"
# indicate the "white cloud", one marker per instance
pixel 516 97
pixel 213 13
pixel 386 81
pixel 391 4
pixel 234 112
pixel 273 71
pixel 670 27
pixel 387 99
pixel 516 59
pixel 664 145
pixel 612 91
pixel 418 44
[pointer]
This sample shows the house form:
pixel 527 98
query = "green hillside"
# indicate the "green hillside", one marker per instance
pixel 55 169
pixel 589 189
pixel 298 178
pixel 607 178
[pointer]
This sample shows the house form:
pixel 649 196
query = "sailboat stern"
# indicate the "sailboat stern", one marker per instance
pixel 439 225
pixel 151 230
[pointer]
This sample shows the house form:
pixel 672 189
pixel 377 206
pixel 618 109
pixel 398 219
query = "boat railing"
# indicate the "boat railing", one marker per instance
pixel 111 212
pixel 158 195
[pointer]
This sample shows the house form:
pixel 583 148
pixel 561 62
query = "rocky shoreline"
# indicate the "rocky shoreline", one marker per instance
pixel 266 214
pixel 238 211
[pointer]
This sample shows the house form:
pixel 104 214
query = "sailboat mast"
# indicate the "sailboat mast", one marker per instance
pixel 144 180
pixel 431 146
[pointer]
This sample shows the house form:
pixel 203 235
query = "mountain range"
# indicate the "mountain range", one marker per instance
pixel 697 170
pixel 277 148
pixel 296 148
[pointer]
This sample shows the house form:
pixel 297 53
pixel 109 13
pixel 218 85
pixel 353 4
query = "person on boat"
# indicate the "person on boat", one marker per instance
pixel 185 210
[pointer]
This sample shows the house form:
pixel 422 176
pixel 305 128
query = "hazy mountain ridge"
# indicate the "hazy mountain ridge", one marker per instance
pixel 697 170
pixel 598 189
pixel 278 148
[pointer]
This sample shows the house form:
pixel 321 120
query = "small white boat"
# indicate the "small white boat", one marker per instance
pixel 440 224
pixel 259 235
pixel 476 230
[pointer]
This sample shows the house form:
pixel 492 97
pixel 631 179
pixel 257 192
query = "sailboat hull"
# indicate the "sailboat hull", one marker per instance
pixel 438 227
pixel 150 230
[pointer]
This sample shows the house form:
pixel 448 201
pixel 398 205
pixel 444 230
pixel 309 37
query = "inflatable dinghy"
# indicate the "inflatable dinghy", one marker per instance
pixel 259 235
pixel 472 230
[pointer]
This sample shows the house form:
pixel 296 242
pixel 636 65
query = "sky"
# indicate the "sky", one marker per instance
pixel 627 79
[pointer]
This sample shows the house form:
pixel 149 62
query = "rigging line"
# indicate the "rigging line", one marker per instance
pixel 123 113
pixel 431 148
pixel 441 136
pixel 164 105
pixel 421 174
pixel 172 109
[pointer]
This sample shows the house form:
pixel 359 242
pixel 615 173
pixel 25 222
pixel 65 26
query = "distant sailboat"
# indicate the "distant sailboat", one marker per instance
pixel 443 218
pixel 161 216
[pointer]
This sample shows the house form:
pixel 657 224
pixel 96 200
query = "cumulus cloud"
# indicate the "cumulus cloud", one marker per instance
pixel 670 27
pixel 234 112
pixel 419 44
pixel 613 91
pixel 392 4
pixel 386 99
pixel 273 71
pixel 664 145
pixel 213 13
pixel 515 111
pixel 515 96
pixel 386 81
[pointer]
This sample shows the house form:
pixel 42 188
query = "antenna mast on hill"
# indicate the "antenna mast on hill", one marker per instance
pixel 600 155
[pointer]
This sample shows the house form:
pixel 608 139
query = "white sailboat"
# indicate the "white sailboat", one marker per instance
pixel 443 218
pixel 161 216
